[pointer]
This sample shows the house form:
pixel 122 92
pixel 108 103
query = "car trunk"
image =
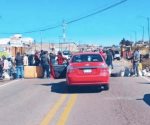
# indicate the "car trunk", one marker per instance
pixel 87 68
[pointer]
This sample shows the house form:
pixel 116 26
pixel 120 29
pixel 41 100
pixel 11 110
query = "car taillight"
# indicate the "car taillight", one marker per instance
pixel 104 70
pixel 103 66
pixel 70 69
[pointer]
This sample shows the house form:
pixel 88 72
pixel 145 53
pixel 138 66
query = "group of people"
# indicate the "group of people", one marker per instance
pixel 14 67
pixel 108 57
pixel 136 59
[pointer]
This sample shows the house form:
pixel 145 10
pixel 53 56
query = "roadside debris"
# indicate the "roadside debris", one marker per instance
pixel 123 68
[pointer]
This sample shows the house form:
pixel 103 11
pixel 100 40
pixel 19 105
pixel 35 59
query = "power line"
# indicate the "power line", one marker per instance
pixel 72 21
pixel 33 31
pixel 97 12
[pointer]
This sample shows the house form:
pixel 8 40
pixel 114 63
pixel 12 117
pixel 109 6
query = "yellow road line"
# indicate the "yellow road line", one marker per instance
pixel 53 111
pixel 65 114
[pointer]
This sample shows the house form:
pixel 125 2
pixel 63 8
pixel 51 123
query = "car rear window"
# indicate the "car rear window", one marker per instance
pixel 66 53
pixel 87 58
pixel 116 52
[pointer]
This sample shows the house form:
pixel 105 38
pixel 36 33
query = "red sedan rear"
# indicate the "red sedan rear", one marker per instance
pixel 88 69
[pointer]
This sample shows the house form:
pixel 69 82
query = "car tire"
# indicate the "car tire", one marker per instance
pixel 118 58
pixel 106 87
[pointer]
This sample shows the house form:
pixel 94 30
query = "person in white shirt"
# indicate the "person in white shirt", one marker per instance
pixel 25 60
pixel 6 64
pixel 6 68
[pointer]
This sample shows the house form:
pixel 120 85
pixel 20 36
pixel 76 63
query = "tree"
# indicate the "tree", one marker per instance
pixel 126 42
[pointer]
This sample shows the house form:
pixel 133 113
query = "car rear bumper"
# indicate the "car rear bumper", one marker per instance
pixel 90 80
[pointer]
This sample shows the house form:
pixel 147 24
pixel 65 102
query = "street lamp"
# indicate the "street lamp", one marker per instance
pixel 148 35
pixel 60 45
pixel 41 40
pixel 143 32
pixel 147 18
pixel 135 35
pixel 35 44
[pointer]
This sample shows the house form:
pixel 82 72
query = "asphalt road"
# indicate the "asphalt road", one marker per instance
pixel 47 102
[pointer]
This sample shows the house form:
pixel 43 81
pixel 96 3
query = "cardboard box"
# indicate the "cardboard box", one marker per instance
pixel 33 72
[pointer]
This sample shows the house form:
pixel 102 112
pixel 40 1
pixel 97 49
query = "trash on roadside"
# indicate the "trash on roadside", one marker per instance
pixel 146 72
pixel 122 73
pixel 127 72
pixel 6 75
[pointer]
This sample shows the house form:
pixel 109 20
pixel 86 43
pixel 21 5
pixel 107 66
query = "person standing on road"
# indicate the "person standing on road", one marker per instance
pixel 109 59
pixel 19 65
pixel 52 56
pixel 45 64
pixel 25 60
pixel 10 70
pixel 136 61
pixel 6 64
pixel 1 68
pixel 37 58
pixel 103 54
pixel 31 60
pixel 60 58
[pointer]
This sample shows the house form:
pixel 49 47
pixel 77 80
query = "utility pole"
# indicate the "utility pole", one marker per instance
pixel 64 31
pixel 49 45
pixel 135 36
pixel 59 43
pixel 35 44
pixel 143 33
pixel 41 40
pixel 64 34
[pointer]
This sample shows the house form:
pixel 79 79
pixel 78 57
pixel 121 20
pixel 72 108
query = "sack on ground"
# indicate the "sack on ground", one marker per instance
pixel 122 73
pixel 6 75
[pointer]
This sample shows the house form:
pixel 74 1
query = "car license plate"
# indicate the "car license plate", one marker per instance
pixel 87 70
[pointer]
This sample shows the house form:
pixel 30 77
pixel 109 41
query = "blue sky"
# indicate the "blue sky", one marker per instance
pixel 105 28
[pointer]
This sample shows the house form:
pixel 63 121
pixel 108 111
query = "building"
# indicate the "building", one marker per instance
pixel 16 43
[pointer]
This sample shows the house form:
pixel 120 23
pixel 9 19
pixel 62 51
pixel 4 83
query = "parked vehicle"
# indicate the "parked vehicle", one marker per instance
pixel 66 54
pixel 87 69
pixel 117 55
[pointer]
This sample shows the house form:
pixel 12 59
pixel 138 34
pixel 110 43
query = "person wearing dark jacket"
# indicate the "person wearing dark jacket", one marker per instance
pixel 19 65
pixel 31 60
pixel 109 59
pixel 37 59
pixel 1 68
pixel 45 64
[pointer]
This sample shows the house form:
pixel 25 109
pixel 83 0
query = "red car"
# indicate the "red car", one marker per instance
pixel 87 69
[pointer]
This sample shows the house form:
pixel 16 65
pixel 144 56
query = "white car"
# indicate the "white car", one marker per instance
pixel 66 54
pixel 117 55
